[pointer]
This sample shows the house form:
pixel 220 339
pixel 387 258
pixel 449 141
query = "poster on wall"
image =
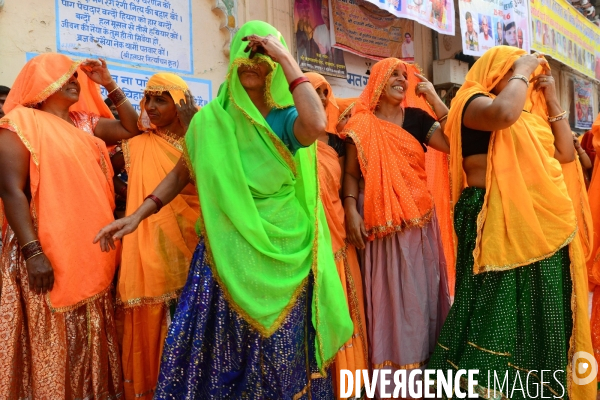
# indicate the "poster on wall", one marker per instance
pixel 368 31
pixel 314 39
pixel 435 14
pixel 485 24
pixel 133 82
pixel 152 33
pixel 563 33
pixel 584 114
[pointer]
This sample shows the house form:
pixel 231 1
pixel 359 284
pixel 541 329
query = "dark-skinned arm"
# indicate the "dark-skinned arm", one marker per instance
pixel 14 164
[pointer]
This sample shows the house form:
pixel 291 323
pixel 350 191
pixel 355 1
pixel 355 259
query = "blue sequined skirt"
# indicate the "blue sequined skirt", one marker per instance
pixel 211 352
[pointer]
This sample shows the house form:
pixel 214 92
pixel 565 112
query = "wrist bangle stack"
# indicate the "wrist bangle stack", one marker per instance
pixel 558 117
pixel 294 84
pixel 117 96
pixel 32 249
pixel 520 77
pixel 156 200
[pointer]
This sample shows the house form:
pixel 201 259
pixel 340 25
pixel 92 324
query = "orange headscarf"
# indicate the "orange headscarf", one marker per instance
pixel 527 213
pixel 156 257
pixel 391 159
pixel 332 110
pixel 70 178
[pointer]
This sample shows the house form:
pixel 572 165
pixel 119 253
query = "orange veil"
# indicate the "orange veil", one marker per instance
pixel 527 213
pixel 402 183
pixel 70 178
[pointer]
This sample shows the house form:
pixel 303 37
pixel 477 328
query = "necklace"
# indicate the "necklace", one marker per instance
pixel 171 138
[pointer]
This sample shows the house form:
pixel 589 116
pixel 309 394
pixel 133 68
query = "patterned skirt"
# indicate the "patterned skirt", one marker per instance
pixel 211 352
pixel 507 323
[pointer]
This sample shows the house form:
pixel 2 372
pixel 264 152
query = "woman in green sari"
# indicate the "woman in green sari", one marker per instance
pixel 263 312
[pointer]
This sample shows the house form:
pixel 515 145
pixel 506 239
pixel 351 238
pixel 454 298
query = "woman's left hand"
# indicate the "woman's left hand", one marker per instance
pixel 545 83
pixel 186 110
pixel 425 88
pixel 97 71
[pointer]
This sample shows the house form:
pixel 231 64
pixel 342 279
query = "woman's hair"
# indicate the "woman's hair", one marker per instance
pixel 509 26
pixel 468 15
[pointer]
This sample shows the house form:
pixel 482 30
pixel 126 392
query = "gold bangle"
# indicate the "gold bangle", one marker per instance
pixel 349 195
pixel 117 87
pixel 36 240
pixel 34 255
pixel 558 117
pixel 121 103
pixel 442 118
pixel 520 77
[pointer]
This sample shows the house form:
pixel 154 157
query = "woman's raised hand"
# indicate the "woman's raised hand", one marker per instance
pixel 186 109
pixel 115 231
pixel 97 71
pixel 545 83
pixel 268 45
pixel 425 88
pixel 527 64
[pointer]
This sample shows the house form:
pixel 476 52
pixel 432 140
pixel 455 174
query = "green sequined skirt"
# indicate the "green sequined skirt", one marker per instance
pixel 516 322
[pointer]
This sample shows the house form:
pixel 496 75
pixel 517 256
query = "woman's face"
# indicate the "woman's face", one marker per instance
pixel 323 92
pixel 396 87
pixel 470 25
pixel 254 77
pixel 511 36
pixel 160 109
pixel 68 93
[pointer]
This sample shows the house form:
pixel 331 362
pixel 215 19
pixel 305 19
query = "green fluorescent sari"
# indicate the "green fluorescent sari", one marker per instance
pixel 262 219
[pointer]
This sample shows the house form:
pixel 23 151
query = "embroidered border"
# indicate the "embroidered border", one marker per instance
pixel 15 129
pixel 53 87
pixel 392 364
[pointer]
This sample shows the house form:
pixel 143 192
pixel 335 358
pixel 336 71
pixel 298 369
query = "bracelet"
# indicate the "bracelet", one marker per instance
pixel 443 118
pixel 296 82
pixel 34 255
pixel 117 96
pixel 348 195
pixel 520 77
pixel 156 200
pixel 121 103
pixel 558 117
pixel 31 249
pixel 116 87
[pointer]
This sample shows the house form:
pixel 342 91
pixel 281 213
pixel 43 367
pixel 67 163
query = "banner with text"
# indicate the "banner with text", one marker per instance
pixel 314 39
pixel 133 82
pixel 369 31
pixel 435 14
pixel 485 24
pixel 155 33
pixel 584 114
pixel 563 33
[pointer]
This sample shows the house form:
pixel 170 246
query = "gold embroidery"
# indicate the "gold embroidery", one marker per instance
pixel 15 129
pixel 453 365
pixel 431 130
pixel 442 346
pixel 389 227
pixel 170 138
pixel 355 306
pixel 54 87
pixel 165 299
pixel 126 155
pixel 76 305
pixel 346 111
pixel 188 162
pixel 487 351
pixel 392 364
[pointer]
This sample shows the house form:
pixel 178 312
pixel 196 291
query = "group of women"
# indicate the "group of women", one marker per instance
pixel 280 235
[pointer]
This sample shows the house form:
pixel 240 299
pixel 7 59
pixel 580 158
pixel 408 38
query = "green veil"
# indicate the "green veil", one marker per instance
pixel 262 220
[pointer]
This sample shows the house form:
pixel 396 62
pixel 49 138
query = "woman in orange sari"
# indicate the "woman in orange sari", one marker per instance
pixel 331 156
pixel 156 257
pixel 56 311
pixel 404 267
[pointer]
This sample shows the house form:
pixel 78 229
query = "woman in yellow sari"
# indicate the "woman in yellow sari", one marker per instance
pixel 156 257
pixel 520 308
